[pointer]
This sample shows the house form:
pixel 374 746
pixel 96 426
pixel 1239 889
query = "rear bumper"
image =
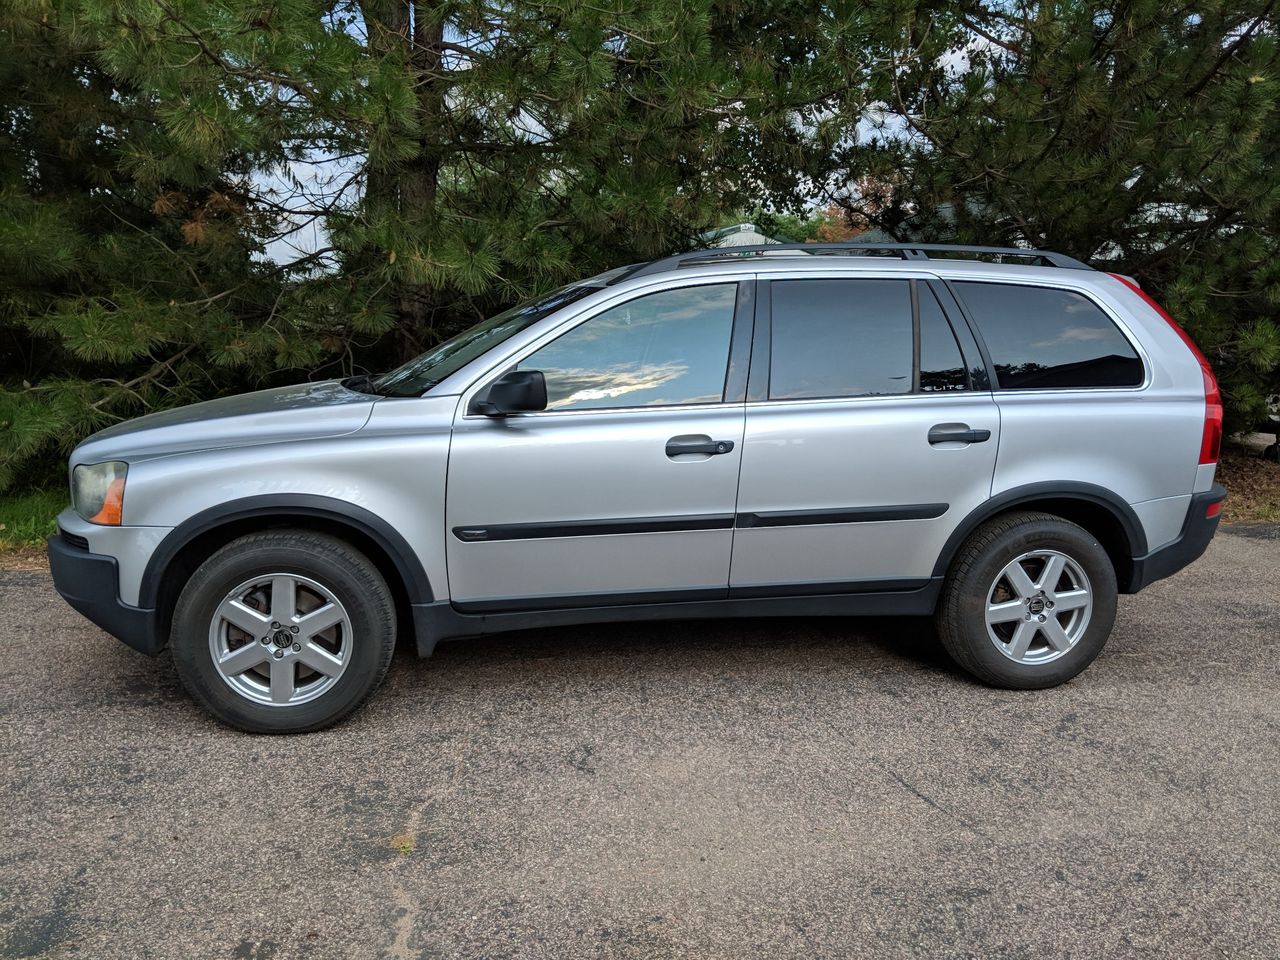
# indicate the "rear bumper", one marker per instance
pixel 90 582
pixel 1197 531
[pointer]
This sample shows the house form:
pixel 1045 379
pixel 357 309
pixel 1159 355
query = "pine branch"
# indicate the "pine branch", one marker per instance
pixel 158 368
pixel 1231 49
pixel 152 236
pixel 1006 45
pixel 273 80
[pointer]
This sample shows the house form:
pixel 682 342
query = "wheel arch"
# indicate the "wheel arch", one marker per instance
pixel 1098 510
pixel 197 538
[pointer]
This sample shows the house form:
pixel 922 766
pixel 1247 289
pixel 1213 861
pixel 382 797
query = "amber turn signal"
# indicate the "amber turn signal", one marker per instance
pixel 112 505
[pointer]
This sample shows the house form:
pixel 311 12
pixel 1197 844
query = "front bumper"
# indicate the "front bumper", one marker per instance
pixel 1197 530
pixel 90 582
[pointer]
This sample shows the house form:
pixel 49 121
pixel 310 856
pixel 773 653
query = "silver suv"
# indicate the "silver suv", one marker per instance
pixel 1005 443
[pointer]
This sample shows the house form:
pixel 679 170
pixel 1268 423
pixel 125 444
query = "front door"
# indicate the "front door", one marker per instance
pixel 868 438
pixel 623 490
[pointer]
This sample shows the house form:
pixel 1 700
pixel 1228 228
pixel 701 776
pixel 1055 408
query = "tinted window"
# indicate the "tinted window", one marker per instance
pixel 661 349
pixel 1041 338
pixel 941 364
pixel 840 338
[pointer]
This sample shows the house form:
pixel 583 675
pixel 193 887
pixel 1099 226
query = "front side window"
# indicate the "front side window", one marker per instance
pixel 840 338
pixel 661 349
pixel 1042 338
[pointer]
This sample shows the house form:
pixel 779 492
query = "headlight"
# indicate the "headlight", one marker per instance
pixel 97 491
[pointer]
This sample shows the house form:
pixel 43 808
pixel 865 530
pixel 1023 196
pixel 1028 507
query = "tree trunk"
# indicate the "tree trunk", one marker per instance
pixel 387 25
pixel 420 178
pixel 411 31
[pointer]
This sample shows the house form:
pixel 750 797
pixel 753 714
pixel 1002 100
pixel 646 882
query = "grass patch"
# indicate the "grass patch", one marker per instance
pixel 403 843
pixel 26 519
pixel 1253 487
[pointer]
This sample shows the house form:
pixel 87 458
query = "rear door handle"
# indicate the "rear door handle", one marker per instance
pixel 697 443
pixel 957 433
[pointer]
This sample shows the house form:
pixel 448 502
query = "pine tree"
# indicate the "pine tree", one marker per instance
pixel 1143 134
pixel 129 271
pixel 470 153
pixel 497 149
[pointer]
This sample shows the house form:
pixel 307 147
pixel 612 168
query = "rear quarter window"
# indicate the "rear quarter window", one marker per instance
pixel 1042 338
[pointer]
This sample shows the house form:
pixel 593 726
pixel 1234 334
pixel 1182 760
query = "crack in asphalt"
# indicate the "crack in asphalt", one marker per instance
pixel 407 908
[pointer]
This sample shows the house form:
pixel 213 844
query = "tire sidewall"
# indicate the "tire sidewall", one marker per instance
pixel 369 608
pixel 971 603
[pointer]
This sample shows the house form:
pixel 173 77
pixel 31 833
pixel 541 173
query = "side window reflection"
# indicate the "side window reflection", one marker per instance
pixel 661 349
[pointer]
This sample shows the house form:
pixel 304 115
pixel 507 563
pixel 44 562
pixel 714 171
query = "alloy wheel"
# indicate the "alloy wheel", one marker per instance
pixel 280 639
pixel 1039 606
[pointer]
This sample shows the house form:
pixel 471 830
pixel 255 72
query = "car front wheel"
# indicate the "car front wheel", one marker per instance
pixel 283 631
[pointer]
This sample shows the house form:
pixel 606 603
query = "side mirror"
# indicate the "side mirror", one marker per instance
pixel 516 391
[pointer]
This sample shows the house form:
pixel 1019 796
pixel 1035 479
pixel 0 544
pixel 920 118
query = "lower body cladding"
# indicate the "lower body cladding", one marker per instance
pixel 89 582
pixel 447 621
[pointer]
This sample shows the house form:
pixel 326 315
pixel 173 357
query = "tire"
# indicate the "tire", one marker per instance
pixel 291 675
pixel 983 573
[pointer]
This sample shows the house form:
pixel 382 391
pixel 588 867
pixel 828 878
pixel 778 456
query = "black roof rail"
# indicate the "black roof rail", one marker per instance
pixel 907 251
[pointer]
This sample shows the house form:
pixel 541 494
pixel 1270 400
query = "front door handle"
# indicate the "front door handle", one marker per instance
pixel 697 443
pixel 957 433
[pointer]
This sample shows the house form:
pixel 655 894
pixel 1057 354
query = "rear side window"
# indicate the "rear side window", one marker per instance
pixel 1040 338
pixel 840 338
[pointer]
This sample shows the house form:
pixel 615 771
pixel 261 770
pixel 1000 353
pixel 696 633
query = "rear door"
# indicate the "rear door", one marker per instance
pixel 870 433
pixel 623 489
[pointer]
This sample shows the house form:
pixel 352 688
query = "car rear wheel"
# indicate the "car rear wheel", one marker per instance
pixel 283 632
pixel 1029 602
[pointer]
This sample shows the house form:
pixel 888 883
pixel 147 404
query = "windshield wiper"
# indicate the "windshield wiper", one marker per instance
pixel 362 383
pixel 417 389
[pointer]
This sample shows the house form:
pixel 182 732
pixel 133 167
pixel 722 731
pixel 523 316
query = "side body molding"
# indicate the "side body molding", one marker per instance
pixel 1087 493
pixel 283 506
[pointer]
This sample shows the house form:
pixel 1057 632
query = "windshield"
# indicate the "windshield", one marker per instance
pixel 430 368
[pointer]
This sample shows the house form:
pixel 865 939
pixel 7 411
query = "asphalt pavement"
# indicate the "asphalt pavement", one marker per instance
pixel 754 789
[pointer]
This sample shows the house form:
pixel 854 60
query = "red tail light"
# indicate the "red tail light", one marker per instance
pixel 1211 440
pixel 1211 444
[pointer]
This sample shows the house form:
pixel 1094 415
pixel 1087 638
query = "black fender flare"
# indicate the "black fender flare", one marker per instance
pixel 283 506
pixel 1051 490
